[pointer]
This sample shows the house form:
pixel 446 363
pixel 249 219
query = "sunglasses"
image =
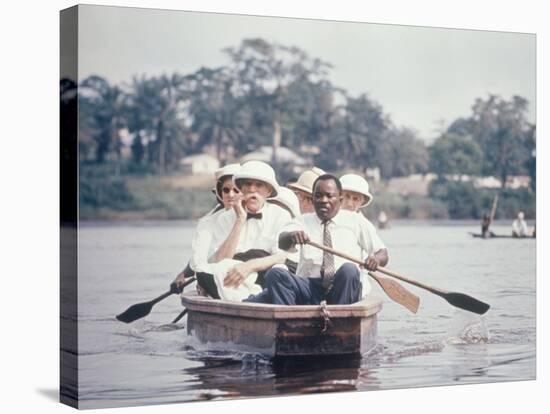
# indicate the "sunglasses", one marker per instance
pixel 227 190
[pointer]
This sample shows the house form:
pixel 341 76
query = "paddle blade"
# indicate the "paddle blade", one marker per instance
pixel 135 312
pixel 398 293
pixel 462 301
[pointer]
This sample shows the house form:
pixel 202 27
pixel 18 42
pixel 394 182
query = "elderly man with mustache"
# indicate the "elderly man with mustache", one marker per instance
pixel 244 243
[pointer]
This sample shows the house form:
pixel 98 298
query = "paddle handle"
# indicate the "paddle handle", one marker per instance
pixel 161 297
pixel 337 253
pixel 379 268
pixel 412 282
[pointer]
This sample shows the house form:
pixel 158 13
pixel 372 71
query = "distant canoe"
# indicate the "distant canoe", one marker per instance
pixel 283 331
pixel 499 236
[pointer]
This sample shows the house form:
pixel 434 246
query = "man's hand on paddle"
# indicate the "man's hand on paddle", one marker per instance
pixel 236 275
pixel 371 263
pixel 380 258
pixel 290 239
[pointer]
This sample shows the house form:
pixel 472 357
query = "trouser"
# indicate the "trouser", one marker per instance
pixel 206 280
pixel 285 288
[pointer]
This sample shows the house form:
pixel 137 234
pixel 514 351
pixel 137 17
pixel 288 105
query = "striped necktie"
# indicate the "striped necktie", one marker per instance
pixel 327 268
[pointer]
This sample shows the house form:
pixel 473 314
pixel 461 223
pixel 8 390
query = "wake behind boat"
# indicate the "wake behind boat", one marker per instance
pixel 283 331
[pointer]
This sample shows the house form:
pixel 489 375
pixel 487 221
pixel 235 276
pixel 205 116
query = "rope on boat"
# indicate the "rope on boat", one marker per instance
pixel 325 315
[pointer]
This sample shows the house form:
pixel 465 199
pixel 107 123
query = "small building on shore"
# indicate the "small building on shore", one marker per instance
pixel 284 155
pixel 199 164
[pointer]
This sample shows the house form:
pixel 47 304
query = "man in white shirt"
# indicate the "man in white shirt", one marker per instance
pixel 320 275
pixel 244 243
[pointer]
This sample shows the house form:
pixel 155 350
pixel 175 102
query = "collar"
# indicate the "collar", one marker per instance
pixel 336 219
pixel 260 211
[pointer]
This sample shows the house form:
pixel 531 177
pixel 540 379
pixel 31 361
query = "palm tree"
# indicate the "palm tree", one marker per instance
pixel 264 72
pixel 157 119
pixel 106 108
pixel 218 116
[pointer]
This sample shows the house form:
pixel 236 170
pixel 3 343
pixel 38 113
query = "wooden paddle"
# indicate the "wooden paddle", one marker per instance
pixel 394 290
pixel 140 310
pixel 459 300
pixel 397 292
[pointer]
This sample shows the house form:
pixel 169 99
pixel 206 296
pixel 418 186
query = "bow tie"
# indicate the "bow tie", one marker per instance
pixel 254 216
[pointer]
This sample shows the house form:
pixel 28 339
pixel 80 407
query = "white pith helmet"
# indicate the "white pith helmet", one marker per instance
pixel 220 174
pixel 289 199
pixel 357 184
pixel 259 171
pixel 229 169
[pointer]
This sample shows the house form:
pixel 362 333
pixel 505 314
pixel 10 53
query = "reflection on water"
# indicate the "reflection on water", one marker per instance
pixel 153 361
pixel 254 376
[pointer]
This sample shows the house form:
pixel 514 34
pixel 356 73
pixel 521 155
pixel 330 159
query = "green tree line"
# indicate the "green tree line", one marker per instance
pixel 268 94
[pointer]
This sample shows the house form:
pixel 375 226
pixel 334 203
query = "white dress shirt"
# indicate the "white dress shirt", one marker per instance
pixel 350 233
pixel 255 233
pixel 202 238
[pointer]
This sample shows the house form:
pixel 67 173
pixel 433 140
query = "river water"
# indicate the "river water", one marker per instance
pixel 152 361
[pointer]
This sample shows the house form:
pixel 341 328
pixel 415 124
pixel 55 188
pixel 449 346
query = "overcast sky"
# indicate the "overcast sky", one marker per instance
pixel 421 76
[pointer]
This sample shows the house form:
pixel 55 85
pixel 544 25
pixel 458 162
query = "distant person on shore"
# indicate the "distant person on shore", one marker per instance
pixel 321 275
pixel 303 188
pixel 227 196
pixel 485 223
pixel 519 226
pixel 383 221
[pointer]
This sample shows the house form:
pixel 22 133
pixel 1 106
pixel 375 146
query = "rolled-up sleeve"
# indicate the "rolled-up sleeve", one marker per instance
pixel 295 224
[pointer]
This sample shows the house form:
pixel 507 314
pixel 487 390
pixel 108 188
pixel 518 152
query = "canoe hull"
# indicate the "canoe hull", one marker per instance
pixel 283 331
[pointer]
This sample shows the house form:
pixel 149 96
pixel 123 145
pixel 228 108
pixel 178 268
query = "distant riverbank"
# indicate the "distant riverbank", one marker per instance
pixel 134 198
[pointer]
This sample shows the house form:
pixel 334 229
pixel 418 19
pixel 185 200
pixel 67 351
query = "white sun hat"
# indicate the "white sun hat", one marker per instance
pixel 226 171
pixel 287 198
pixel 259 171
pixel 306 180
pixel 357 184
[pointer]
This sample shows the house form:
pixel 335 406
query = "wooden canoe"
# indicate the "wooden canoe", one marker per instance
pixel 283 331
